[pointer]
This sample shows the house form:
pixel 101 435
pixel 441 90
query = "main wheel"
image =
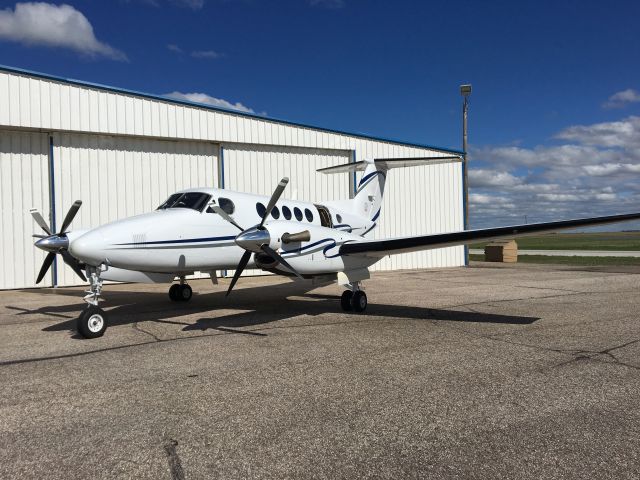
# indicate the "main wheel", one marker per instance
pixel 173 292
pixel 359 301
pixel 185 293
pixel 345 300
pixel 92 322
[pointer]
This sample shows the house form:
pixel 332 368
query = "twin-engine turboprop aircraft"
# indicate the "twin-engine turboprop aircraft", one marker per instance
pixel 208 229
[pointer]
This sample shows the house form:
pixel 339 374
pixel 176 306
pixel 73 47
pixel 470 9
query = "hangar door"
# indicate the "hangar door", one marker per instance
pixel 24 183
pixel 117 177
pixel 259 168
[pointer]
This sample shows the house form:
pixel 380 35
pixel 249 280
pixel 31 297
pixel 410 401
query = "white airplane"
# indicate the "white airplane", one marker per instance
pixel 209 229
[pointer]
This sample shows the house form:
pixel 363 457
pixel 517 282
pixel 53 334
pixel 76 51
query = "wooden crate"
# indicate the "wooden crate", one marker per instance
pixel 505 251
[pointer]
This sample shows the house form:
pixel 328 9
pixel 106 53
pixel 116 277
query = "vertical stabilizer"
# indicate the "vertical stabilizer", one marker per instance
pixel 369 194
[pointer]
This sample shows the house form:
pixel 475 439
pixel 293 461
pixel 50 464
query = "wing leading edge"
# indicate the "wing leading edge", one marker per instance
pixel 381 248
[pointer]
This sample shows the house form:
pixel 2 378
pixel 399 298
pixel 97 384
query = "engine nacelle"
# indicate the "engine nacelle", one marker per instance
pixel 264 261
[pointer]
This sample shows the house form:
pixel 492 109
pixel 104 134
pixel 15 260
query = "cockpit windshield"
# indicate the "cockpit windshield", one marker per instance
pixel 192 200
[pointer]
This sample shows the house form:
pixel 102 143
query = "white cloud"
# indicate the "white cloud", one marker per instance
pixel 492 178
pixel 622 99
pixel 624 133
pixel 595 172
pixel 53 26
pixel 174 48
pixel 607 169
pixel 209 100
pixel 205 54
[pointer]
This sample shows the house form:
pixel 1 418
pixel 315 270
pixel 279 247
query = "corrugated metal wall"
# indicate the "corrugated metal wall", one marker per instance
pixel 257 169
pixel 419 201
pixel 122 137
pixel 117 177
pixel 24 184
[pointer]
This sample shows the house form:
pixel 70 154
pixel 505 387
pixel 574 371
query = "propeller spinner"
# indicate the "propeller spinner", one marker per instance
pixel 57 243
pixel 256 239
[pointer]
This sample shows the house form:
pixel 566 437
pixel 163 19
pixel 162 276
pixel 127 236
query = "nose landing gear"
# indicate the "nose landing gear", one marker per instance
pixel 92 322
pixel 354 300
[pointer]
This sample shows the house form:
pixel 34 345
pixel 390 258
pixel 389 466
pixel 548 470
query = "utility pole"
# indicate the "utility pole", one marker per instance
pixel 465 91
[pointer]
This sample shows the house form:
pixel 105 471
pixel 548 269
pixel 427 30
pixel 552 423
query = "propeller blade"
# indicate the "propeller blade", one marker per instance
pixel 226 216
pixel 73 263
pixel 40 221
pixel 243 263
pixel 274 199
pixel 70 215
pixel 35 235
pixel 45 266
pixel 273 254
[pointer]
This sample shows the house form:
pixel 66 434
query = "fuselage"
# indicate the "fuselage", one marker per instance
pixel 183 239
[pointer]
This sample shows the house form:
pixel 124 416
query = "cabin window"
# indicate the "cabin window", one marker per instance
pixel 338 218
pixel 308 214
pixel 286 212
pixel 261 209
pixel 226 205
pixel 298 213
pixel 275 213
pixel 192 200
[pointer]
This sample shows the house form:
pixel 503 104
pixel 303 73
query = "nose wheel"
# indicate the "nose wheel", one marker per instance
pixel 180 293
pixel 92 322
pixel 353 301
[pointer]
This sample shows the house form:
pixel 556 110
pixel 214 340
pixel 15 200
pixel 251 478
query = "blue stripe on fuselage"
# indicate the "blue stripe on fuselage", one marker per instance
pixel 185 240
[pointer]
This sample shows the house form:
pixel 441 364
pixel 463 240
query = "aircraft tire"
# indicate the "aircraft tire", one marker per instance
pixel 345 300
pixel 173 292
pixel 92 322
pixel 359 301
pixel 185 293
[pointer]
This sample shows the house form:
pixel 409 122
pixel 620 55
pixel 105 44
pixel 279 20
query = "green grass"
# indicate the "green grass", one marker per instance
pixel 557 260
pixel 611 241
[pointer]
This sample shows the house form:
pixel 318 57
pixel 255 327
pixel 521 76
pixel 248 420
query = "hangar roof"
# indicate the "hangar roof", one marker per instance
pixel 210 107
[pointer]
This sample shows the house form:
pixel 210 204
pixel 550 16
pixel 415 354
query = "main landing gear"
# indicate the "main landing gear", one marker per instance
pixel 180 292
pixel 92 322
pixel 354 299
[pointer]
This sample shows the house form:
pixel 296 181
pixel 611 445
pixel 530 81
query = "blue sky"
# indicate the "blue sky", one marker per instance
pixel 554 116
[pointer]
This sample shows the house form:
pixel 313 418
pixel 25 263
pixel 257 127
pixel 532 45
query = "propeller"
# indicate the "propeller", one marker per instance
pixel 256 239
pixel 57 243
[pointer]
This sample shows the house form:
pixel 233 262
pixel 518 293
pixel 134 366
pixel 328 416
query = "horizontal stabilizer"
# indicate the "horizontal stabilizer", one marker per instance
pixel 381 248
pixel 389 163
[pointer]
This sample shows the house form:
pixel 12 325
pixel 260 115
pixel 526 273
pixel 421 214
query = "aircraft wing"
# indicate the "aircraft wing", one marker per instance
pixel 381 248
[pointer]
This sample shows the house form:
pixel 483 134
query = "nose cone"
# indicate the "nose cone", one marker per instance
pixel 253 238
pixel 52 243
pixel 89 248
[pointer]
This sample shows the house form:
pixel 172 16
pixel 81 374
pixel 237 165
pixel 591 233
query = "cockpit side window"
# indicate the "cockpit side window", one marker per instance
pixel 169 201
pixel 192 200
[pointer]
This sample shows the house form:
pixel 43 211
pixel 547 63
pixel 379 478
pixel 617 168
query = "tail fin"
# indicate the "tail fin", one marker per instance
pixel 370 191
pixel 369 194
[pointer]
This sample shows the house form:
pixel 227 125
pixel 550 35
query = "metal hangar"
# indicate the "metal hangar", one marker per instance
pixel 123 152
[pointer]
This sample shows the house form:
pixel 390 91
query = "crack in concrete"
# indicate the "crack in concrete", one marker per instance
pixel 175 465
pixel 137 327
pixel 577 354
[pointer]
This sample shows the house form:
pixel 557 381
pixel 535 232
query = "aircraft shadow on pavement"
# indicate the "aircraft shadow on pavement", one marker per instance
pixel 258 305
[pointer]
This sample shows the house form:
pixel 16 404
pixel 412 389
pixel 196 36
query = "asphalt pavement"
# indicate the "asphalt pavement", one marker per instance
pixel 493 371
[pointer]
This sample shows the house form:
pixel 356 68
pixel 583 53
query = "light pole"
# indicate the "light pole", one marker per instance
pixel 465 91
